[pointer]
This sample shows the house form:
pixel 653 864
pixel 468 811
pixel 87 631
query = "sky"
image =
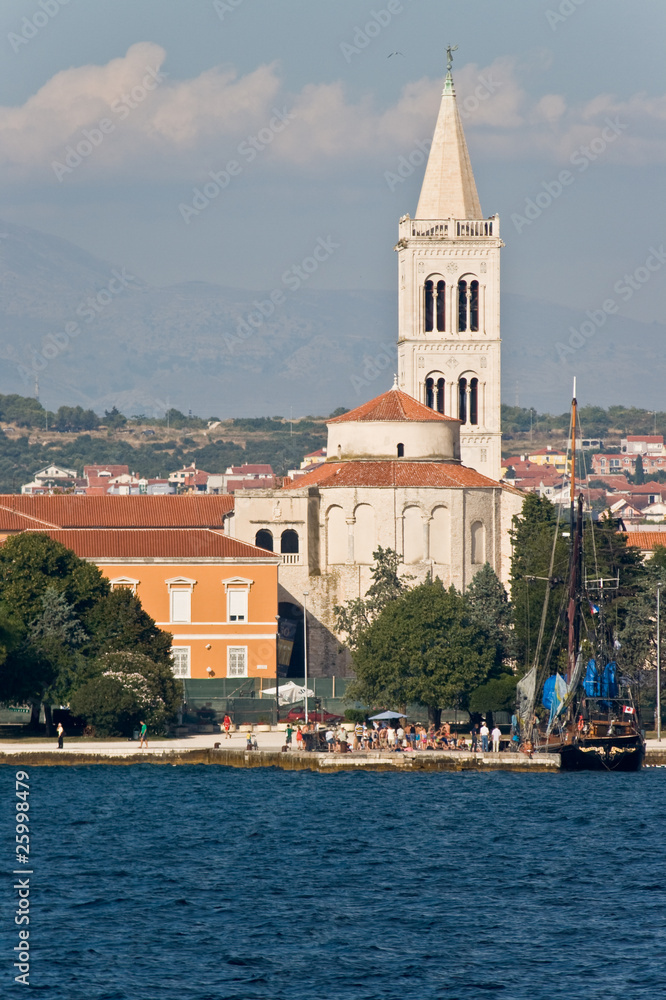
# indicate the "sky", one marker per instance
pixel 299 118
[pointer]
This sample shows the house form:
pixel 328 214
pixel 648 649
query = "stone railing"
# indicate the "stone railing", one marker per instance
pixel 291 558
pixel 450 229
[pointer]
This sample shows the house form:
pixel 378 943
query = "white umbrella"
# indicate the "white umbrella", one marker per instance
pixel 290 693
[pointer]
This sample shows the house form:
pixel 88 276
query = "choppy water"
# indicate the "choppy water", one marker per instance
pixel 190 883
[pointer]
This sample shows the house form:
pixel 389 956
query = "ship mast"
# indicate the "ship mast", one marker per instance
pixel 576 520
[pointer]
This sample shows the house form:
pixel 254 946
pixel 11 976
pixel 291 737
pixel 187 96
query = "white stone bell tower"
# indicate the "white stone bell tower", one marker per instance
pixel 449 301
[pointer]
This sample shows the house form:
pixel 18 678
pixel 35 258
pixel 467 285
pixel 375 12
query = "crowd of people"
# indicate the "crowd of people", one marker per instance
pixel 396 736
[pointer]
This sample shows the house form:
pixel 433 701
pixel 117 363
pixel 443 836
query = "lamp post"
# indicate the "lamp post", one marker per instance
pixel 277 671
pixel 658 667
pixel 305 649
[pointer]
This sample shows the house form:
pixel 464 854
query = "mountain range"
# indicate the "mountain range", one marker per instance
pixel 96 335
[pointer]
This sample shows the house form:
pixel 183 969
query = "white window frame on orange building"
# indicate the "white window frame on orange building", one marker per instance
pixel 124 583
pixel 236 650
pixel 180 585
pixel 237 585
pixel 188 651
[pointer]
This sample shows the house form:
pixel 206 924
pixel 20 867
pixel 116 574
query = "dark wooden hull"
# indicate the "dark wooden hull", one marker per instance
pixel 600 754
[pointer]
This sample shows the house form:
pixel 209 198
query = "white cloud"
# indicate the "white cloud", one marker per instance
pixel 179 129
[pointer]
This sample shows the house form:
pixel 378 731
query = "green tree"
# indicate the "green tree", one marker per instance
pixel 51 646
pixel 75 418
pixel 639 473
pixel 124 687
pixel 496 695
pixel 422 647
pixel 114 418
pixel 31 562
pixel 354 616
pixel 117 621
pixel 490 610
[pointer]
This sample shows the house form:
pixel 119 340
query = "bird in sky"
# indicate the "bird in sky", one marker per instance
pixel 395 54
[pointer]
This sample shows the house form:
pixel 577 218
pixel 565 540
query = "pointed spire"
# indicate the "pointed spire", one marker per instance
pixel 448 190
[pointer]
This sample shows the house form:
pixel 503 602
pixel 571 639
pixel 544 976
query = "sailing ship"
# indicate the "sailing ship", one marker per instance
pixel 593 721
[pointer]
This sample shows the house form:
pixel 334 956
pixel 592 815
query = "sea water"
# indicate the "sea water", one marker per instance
pixel 208 883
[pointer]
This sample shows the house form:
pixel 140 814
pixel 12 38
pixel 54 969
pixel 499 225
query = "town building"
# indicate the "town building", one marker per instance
pixel 216 596
pixel 642 444
pixel 393 479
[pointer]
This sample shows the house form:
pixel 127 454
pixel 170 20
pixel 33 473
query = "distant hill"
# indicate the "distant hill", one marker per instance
pixel 145 349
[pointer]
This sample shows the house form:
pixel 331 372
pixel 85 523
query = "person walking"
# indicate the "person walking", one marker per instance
pixel 299 738
pixel 143 735
pixel 288 733
pixel 227 726
pixel 496 735
pixel 475 737
pixel 61 735
pixel 330 736
pixel 484 733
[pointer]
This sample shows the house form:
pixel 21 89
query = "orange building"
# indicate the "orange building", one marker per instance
pixel 215 594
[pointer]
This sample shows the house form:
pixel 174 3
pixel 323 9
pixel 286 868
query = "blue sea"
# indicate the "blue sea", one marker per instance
pixel 208 883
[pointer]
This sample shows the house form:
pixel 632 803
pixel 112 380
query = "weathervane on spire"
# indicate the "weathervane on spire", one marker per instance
pixel 450 49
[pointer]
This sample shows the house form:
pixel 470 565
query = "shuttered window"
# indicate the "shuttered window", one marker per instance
pixel 181 606
pixel 237 605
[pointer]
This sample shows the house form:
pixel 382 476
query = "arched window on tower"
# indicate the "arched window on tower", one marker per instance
pixel 462 400
pixel 474 401
pixel 289 542
pixel 474 306
pixel 441 302
pixel 428 289
pixel 401 450
pixel 462 305
pixel 264 539
pixel 430 393
pixel 440 395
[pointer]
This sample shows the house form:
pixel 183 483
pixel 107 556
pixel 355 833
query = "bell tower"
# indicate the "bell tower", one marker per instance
pixel 448 299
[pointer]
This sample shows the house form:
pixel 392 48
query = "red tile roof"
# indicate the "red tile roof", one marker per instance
pixel 251 470
pixel 391 405
pixel 646 539
pixel 648 438
pixel 188 543
pixel 392 474
pixel 73 511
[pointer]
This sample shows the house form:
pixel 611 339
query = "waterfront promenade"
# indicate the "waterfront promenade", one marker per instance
pixel 200 749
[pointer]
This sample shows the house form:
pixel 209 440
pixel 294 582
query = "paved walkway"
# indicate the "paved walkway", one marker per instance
pixel 199 741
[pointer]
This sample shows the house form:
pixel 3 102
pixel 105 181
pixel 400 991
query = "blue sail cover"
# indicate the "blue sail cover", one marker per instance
pixel 548 688
pixel 592 682
pixel 609 685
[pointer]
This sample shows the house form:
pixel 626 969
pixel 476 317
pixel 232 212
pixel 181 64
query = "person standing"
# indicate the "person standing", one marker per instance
pixel 227 726
pixel 61 735
pixel 496 735
pixel 475 737
pixel 143 735
pixel 484 733
pixel 288 733
pixel 299 738
pixel 390 737
pixel 330 736
pixel 358 735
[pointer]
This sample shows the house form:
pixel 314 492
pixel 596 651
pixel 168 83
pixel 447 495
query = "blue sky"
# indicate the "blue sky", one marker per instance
pixel 551 76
